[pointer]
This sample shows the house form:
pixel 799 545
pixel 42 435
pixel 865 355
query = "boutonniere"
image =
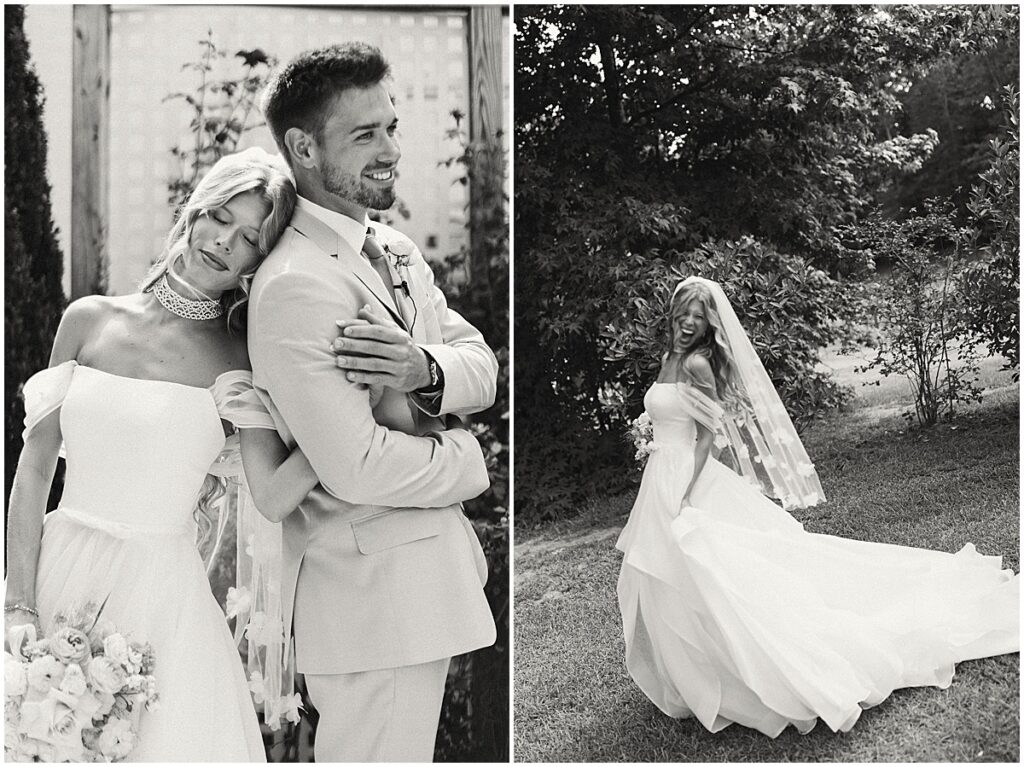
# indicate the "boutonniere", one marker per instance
pixel 400 253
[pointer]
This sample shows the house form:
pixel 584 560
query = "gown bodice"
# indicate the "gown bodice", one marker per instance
pixel 138 451
pixel 673 424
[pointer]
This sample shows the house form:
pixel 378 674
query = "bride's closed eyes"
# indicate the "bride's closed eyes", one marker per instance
pixel 223 217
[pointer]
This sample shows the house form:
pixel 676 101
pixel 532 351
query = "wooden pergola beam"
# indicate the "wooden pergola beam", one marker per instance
pixel 485 125
pixel 485 99
pixel 90 140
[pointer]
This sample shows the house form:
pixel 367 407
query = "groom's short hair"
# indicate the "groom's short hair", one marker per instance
pixel 300 94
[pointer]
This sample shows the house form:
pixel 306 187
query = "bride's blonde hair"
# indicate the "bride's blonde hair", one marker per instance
pixel 712 345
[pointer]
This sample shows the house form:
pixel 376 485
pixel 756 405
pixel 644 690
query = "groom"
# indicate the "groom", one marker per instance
pixel 383 571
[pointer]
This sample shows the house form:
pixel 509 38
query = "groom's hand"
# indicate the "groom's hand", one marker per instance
pixel 373 350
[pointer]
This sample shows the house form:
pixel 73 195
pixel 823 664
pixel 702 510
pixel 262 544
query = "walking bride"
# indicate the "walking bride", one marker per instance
pixel 732 612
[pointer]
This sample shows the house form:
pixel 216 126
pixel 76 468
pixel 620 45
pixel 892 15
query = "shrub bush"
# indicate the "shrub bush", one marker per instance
pixel 925 316
pixel 33 262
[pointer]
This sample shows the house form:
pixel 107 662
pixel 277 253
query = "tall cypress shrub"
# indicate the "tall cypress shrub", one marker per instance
pixel 33 262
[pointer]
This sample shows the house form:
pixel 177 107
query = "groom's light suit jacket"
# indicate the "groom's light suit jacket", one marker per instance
pixel 380 565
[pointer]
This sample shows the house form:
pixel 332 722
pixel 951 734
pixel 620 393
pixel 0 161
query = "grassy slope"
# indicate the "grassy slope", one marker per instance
pixel 937 488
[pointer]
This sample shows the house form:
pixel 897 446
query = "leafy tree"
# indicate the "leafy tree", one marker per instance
pixel 959 98
pixel 33 262
pixel 643 133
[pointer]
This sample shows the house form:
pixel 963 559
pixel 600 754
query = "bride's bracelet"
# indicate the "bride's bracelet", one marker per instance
pixel 23 608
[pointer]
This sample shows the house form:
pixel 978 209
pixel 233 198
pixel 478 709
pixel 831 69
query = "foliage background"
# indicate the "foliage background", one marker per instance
pixel 33 262
pixel 744 143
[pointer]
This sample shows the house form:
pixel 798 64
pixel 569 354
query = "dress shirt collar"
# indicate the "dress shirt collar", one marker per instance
pixel 351 231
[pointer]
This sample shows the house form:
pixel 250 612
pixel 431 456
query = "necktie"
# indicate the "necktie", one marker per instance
pixel 375 254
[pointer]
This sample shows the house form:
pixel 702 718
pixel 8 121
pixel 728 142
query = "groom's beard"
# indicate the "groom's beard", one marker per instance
pixel 351 188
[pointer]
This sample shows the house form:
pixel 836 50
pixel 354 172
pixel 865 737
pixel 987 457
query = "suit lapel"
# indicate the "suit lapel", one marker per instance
pixel 332 243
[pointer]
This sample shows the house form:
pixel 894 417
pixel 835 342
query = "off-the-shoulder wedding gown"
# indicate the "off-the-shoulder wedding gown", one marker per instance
pixel 733 613
pixel 138 452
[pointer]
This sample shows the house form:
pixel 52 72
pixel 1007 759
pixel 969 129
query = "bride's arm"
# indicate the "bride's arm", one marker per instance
pixel 29 492
pixel 278 478
pixel 34 476
pixel 704 379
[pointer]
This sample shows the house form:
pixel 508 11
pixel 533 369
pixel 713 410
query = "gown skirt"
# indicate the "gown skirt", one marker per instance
pixel 733 613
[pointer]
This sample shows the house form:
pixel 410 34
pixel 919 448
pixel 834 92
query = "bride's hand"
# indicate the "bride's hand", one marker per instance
pixel 16 618
pixel 376 392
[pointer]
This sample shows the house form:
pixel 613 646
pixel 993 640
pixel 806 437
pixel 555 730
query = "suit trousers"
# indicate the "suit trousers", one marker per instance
pixel 386 715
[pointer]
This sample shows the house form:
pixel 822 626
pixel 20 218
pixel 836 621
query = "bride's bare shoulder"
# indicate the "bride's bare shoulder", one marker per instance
pixel 696 371
pixel 97 307
pixel 699 367
pixel 80 318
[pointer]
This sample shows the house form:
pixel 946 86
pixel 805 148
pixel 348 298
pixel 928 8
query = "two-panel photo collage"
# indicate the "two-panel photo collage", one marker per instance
pixel 512 383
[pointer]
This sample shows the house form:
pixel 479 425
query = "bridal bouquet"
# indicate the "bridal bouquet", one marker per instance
pixel 77 694
pixel 641 431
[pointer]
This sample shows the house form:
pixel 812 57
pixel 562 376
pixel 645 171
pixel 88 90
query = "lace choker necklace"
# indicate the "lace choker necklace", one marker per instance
pixel 187 308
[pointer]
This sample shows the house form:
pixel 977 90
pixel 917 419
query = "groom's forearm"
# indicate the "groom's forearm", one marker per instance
pixel 470 367
pixel 356 459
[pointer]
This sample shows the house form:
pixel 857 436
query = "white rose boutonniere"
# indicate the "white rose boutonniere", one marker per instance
pixel 400 252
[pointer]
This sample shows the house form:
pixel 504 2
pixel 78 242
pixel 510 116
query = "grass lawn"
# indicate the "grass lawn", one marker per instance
pixel 937 488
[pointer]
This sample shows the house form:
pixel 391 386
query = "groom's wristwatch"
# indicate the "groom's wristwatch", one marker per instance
pixel 436 377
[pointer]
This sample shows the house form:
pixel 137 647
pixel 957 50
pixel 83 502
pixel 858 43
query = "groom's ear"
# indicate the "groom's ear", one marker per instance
pixel 301 146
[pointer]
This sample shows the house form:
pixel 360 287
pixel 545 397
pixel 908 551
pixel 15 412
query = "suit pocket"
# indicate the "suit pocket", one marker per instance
pixel 395 527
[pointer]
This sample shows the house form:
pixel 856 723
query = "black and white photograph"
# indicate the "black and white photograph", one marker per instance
pixel 766 354
pixel 256 303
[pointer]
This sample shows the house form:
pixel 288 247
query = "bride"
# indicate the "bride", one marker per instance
pixel 142 390
pixel 732 612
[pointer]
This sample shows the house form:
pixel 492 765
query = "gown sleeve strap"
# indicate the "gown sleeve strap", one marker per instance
pixel 239 403
pixel 44 393
pixel 700 406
